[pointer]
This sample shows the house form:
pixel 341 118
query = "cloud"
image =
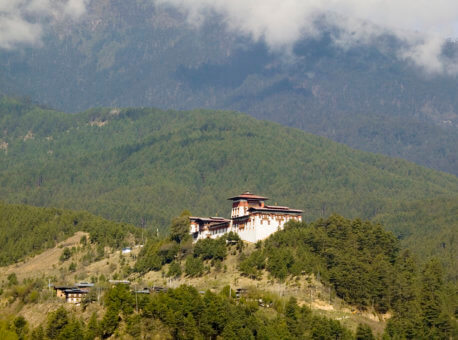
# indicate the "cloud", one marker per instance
pixel 421 25
pixel 22 22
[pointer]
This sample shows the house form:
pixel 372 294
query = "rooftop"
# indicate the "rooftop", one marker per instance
pixel 276 208
pixel 247 196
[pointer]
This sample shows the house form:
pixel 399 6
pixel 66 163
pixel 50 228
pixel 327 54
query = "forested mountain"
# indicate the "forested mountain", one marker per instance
pixel 146 165
pixel 135 54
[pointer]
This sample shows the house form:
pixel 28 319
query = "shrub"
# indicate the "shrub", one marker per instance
pixel 209 249
pixel 66 254
pixel 174 270
pixel 194 266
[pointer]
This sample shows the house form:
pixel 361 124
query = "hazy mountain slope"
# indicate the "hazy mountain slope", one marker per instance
pixel 134 164
pixel 132 54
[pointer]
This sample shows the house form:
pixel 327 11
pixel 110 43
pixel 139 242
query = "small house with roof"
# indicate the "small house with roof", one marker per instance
pixel 251 219
pixel 71 294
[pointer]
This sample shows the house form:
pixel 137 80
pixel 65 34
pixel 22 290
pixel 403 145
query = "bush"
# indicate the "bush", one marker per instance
pixel 72 267
pixel 209 249
pixel 33 297
pixel 253 264
pixel 194 266
pixel 66 254
pixel 12 279
pixel 174 270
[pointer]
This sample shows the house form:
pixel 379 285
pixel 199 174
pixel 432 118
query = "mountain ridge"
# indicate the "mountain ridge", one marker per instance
pixel 136 55
pixel 138 165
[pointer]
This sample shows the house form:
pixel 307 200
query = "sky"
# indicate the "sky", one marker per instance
pixel 423 25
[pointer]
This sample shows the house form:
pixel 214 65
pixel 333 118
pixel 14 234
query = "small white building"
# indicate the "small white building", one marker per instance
pixel 251 219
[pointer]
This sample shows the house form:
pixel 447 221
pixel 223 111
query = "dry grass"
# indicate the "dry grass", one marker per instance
pixel 307 290
pixel 44 264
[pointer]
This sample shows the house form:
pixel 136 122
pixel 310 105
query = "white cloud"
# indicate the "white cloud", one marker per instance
pixel 421 24
pixel 22 21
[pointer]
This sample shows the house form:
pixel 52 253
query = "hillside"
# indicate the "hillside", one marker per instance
pixel 327 277
pixel 27 231
pixel 134 54
pixel 145 166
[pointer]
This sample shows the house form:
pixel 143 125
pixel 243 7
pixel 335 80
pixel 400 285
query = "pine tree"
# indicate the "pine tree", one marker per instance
pixel 364 332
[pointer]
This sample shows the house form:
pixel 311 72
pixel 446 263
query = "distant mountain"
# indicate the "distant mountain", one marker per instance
pixel 133 54
pixel 147 165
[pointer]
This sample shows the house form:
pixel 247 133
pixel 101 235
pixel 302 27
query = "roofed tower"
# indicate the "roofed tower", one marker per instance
pixel 243 202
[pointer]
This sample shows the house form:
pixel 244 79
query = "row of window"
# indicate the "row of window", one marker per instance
pixel 219 231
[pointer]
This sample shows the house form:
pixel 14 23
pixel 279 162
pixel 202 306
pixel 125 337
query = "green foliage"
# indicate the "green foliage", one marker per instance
pixel 6 332
pixel 120 299
pixel 149 164
pixel 92 328
pixel 174 270
pixel 66 254
pixel 253 264
pixel 148 259
pixel 21 327
pixel 72 331
pixel 364 97
pixel 83 240
pixel 179 229
pixel 168 252
pixel 57 321
pixel 425 310
pixel 194 266
pixel 38 333
pixel 117 300
pixel 109 322
pixel 221 316
pixel 209 248
pixel 27 230
pixel 133 325
pixel 413 223
pixel 356 257
pixel 28 291
pixel 72 267
pixel 12 279
pixel 364 332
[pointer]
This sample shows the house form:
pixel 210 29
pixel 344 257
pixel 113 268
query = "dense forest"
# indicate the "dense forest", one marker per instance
pixel 144 166
pixel 136 54
pixel 26 230
pixel 360 261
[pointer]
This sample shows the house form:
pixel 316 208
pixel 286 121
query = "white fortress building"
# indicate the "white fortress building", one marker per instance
pixel 251 219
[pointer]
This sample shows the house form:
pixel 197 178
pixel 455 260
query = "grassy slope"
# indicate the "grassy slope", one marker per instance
pixel 131 164
pixel 27 230
pixel 47 265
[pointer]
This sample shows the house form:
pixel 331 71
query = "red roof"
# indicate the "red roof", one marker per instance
pixel 248 196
